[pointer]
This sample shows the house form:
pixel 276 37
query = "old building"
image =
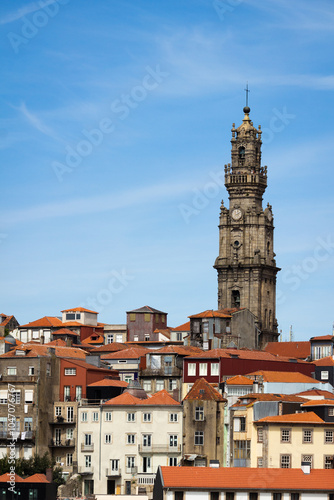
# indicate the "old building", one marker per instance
pixel 203 426
pixel 123 441
pixel 246 263
pixel 143 324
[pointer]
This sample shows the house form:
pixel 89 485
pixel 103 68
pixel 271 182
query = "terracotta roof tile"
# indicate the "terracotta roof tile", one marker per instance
pixel 36 478
pixel 239 380
pixel 130 353
pixel 299 350
pixel 93 339
pixel 113 347
pixel 34 350
pixel 323 337
pixel 45 322
pixel 327 361
pixel 161 398
pixel 202 390
pixel 65 331
pixel 175 349
pixel 283 377
pixel 5 477
pixel 250 399
pixel 210 313
pixel 246 478
pixel 320 402
pixel 307 417
pixel 316 392
pixel 79 309
pixel 108 382
pixel 185 327
pixel 7 320
pixel 125 399
pixel 241 354
pixel 59 342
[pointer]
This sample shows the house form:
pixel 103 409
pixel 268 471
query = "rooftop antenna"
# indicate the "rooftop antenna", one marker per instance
pixel 290 334
pixel 247 92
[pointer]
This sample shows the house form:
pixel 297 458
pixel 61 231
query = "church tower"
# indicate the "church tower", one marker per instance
pixel 246 263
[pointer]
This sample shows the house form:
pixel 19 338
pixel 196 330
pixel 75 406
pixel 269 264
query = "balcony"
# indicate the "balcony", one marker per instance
pixel 145 479
pixel 63 420
pixel 87 447
pixel 165 371
pixel 159 448
pixel 62 443
pixel 113 472
pixel 19 436
pixel 84 470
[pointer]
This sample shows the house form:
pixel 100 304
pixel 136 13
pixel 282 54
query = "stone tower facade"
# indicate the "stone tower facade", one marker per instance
pixel 246 263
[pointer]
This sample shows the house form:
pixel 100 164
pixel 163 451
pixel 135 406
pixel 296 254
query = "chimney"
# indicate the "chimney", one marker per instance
pixel 48 473
pixel 306 467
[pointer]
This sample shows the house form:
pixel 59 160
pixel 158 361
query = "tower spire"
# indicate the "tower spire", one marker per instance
pixel 247 92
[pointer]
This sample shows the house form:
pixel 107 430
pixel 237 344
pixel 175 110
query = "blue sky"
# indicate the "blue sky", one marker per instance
pixel 115 128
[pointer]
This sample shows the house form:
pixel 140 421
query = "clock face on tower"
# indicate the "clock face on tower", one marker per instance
pixel 236 214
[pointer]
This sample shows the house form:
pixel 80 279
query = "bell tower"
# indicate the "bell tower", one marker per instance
pixel 246 263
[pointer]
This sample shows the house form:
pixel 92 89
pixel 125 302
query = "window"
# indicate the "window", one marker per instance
pixel 58 411
pixel 205 327
pixel 203 369
pixel 173 417
pixel 28 424
pixel 285 435
pixel 307 435
pixel 70 414
pixel 48 369
pixel 294 496
pixel 108 416
pixel 78 392
pixel 239 424
pixel 147 337
pixel 329 436
pixel 11 370
pixel 173 440
pixel 130 463
pixel 199 438
pixel 31 370
pixel 70 316
pixel 88 461
pixel 84 416
pixel 172 384
pixel 324 375
pixel 252 496
pixel 119 338
pixel 199 413
pixel 131 417
pixel 260 434
pixel 107 439
pixel 172 462
pixel 67 393
pixel 135 338
pixel 259 462
pixel 130 438
pixel 69 459
pixel 95 416
pixel 69 433
pixel 242 424
pixel 214 368
pixel 28 396
pixel 114 464
pixel 3 397
pixel 277 496
pixel 159 384
pixel 147 385
pixel 147 417
pixel 132 316
pixel 214 495
pixel 241 450
pixel 178 495
pixel 110 338
pixel 3 426
pixel 331 412
pixel 147 440
pixel 328 462
pixel 78 316
pixel 285 461
pixel 191 369
pixel 88 439
pixel 229 495
pixel 147 317
pixel 307 459
pixel 70 371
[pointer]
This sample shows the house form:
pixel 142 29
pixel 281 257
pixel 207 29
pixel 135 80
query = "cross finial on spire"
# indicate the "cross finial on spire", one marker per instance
pixel 247 92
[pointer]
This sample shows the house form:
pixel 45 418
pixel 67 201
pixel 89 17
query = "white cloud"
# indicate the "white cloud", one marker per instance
pixel 23 11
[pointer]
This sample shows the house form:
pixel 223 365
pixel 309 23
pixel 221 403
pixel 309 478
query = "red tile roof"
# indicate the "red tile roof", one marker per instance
pixel 245 478
pixel 130 353
pixel 316 392
pixel 107 382
pixel 59 342
pixel 93 339
pixel 113 347
pixel 45 322
pixel 161 398
pixel 146 309
pixel 34 350
pixel 308 417
pixel 203 391
pixel 250 399
pixel 5 477
pixel 65 331
pixel 327 361
pixel 183 350
pixel 320 402
pixel 299 350
pixel 125 399
pixel 323 337
pixel 185 327
pixel 36 478
pixel 7 320
pixel 239 380
pixel 286 377
pixel 88 366
pixel 210 313
pixel 79 309
pixel 241 354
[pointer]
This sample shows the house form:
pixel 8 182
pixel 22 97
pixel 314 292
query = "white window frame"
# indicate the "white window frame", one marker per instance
pixel 203 369
pixel 108 416
pixel 147 417
pixel 173 417
pixel 84 416
pixel 214 369
pixel 70 371
pixel 131 417
pixel 191 369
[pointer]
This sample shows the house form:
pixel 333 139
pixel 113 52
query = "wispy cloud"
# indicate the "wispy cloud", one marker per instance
pixel 23 11
pixel 36 122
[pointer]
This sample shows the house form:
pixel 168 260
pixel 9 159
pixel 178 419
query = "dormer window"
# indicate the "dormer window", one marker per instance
pixel 241 153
